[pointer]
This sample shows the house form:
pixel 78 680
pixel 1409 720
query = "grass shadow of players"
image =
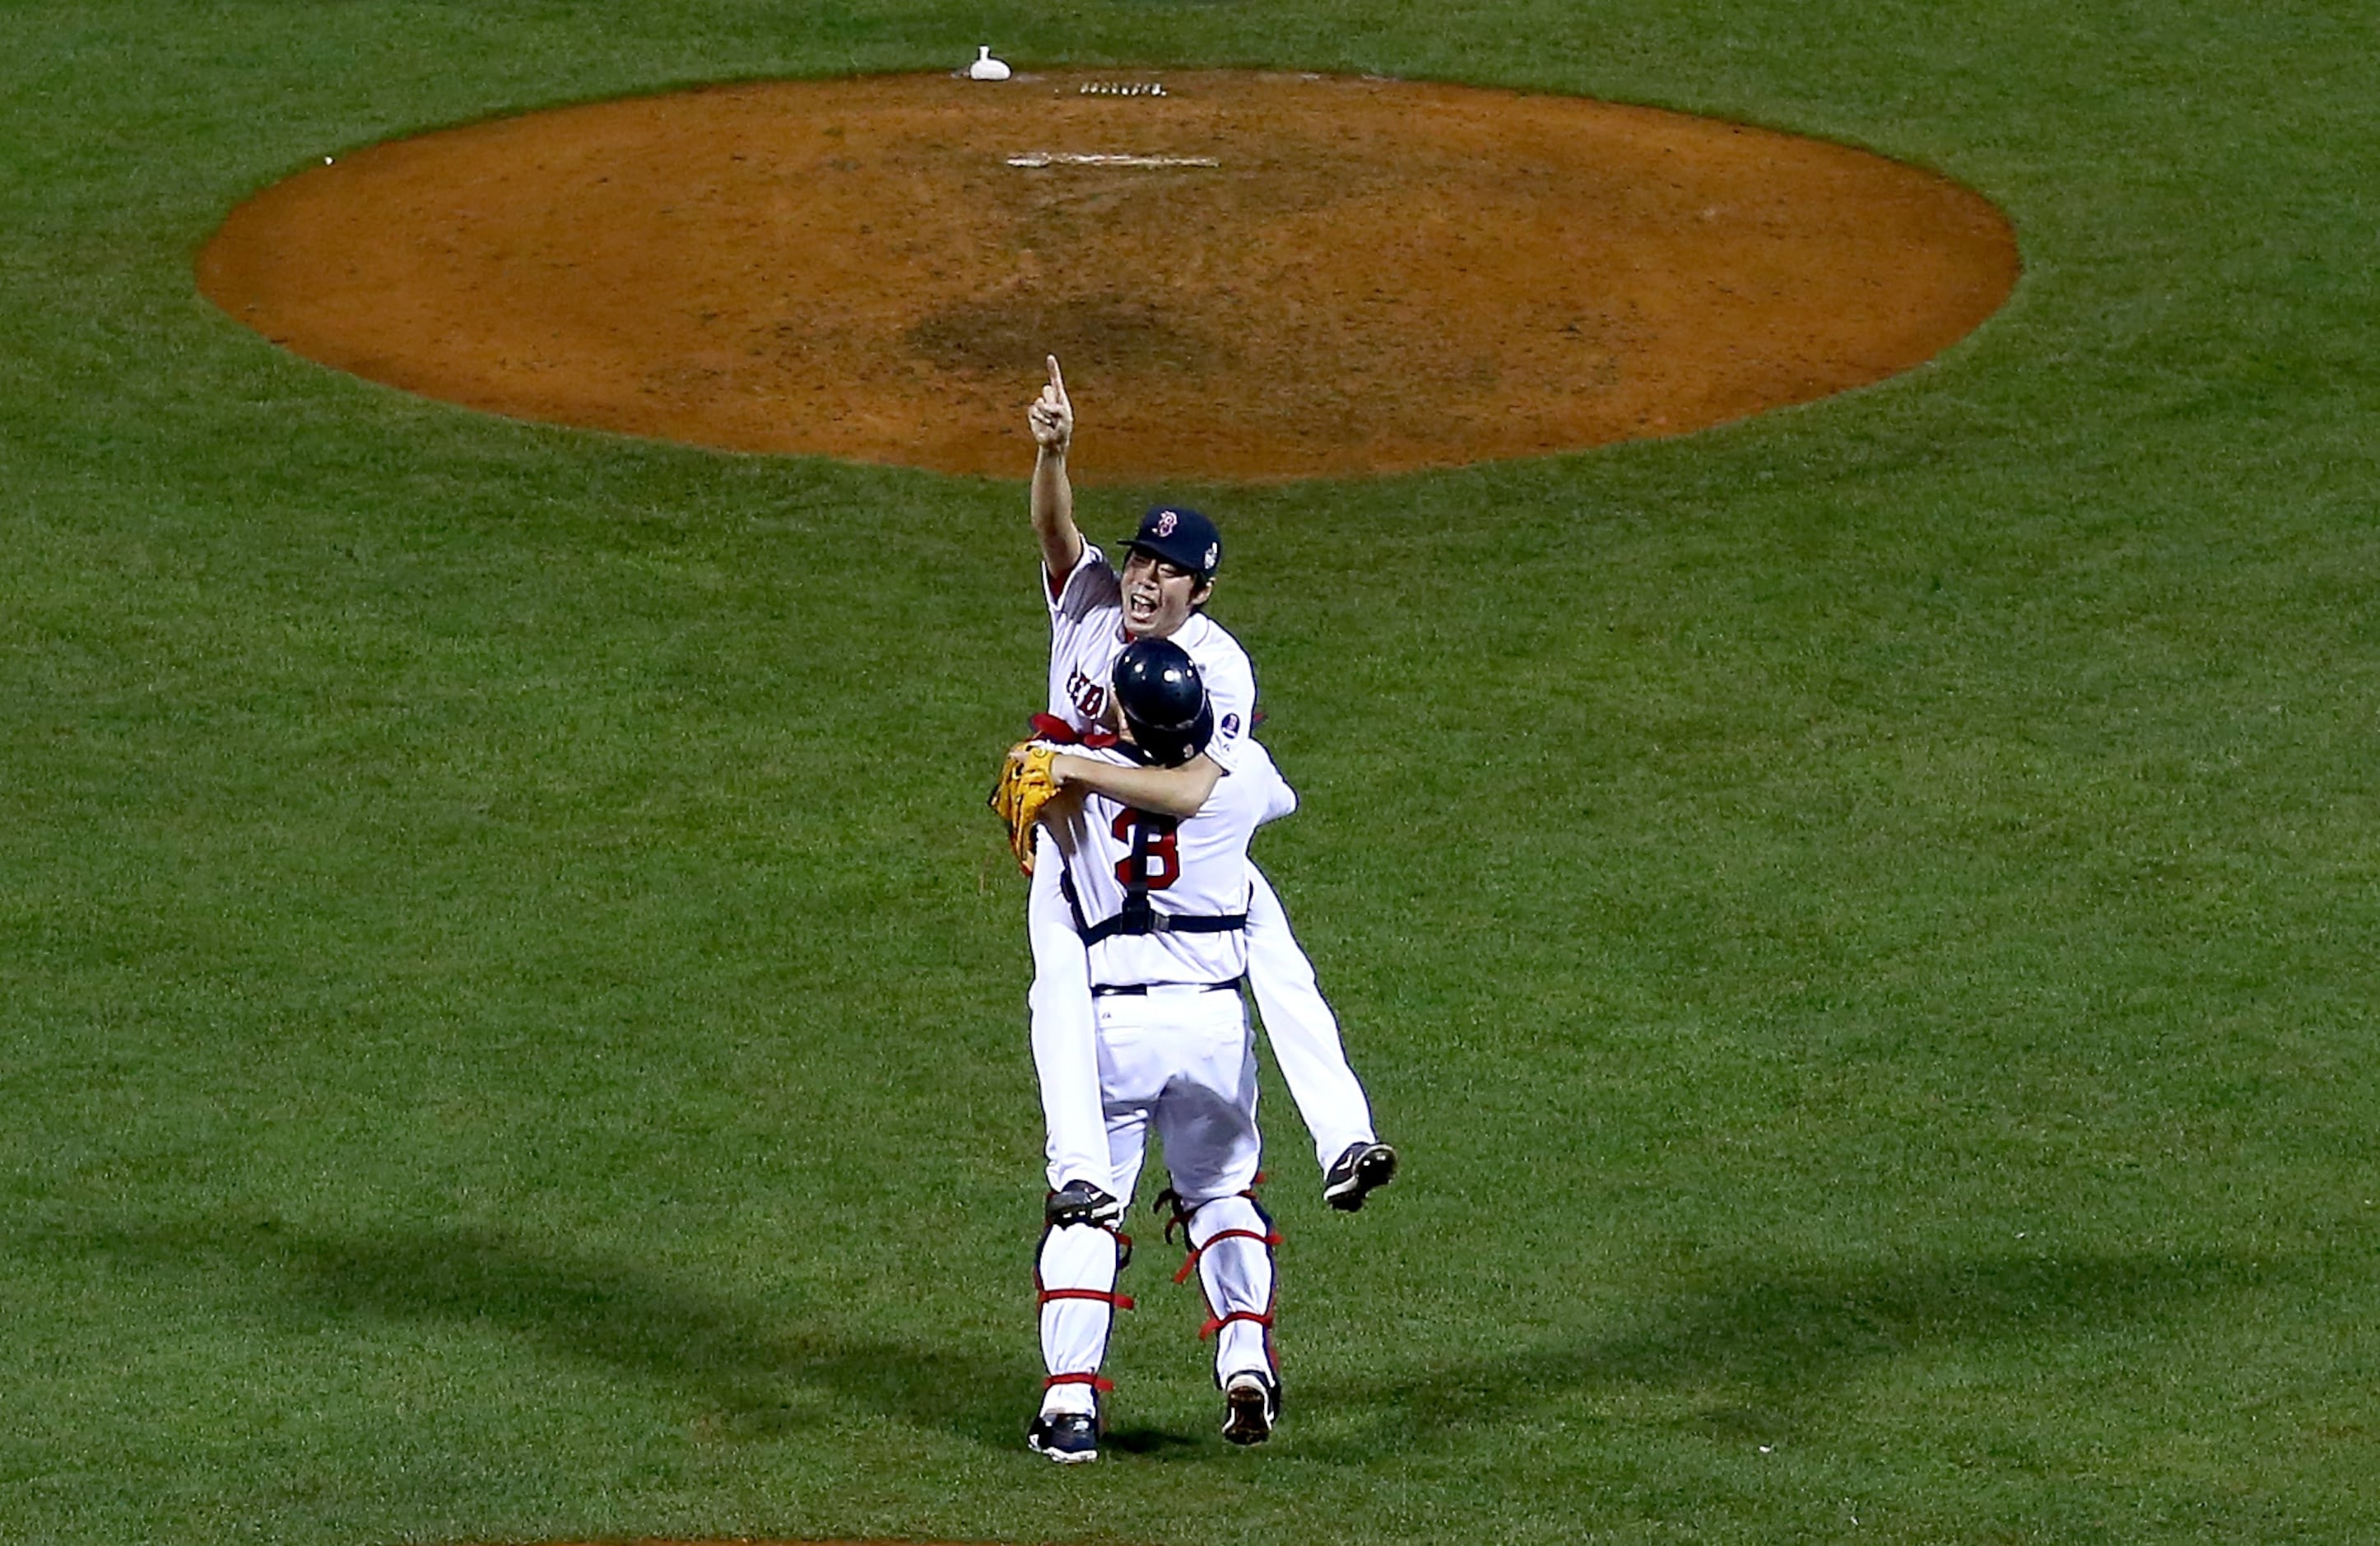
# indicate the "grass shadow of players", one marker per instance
pixel 754 1377
pixel 1770 1345
pixel 1149 1440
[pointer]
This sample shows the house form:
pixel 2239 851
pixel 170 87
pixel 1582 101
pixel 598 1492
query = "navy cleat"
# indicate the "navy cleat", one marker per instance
pixel 1069 1438
pixel 1355 1174
pixel 1080 1202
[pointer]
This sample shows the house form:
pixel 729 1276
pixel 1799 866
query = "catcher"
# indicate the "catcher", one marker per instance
pixel 1159 903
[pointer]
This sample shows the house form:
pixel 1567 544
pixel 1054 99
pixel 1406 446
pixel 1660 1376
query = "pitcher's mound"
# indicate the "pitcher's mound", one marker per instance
pixel 1248 276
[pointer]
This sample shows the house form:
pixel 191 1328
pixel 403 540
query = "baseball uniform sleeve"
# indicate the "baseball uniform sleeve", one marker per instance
pixel 1231 687
pixel 1257 765
pixel 1090 587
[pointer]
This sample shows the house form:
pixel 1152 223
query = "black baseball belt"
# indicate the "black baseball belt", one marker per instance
pixel 1140 989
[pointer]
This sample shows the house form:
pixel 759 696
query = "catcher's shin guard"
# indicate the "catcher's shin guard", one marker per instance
pixel 1231 1241
pixel 1074 1280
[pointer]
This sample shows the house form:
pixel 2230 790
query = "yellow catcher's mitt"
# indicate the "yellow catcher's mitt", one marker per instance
pixel 1024 788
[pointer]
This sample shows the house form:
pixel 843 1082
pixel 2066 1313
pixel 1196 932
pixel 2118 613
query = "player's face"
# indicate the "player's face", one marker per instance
pixel 1158 597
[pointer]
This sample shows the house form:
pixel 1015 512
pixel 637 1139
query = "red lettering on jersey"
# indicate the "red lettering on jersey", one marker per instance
pixel 1089 698
pixel 1164 848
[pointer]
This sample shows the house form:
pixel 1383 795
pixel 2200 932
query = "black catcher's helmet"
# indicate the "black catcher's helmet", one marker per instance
pixel 1163 701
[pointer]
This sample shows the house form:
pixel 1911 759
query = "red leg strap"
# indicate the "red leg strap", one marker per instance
pixel 1217 1323
pixel 1116 1301
pixel 1190 1263
pixel 1096 1382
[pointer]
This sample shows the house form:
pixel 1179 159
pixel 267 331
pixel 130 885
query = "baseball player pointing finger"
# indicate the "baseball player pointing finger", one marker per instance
pixel 1095 611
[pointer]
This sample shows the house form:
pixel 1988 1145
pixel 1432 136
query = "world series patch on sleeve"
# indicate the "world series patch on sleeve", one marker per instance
pixel 1024 788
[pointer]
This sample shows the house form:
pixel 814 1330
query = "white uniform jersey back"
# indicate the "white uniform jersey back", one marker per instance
pixel 1193 868
pixel 1086 634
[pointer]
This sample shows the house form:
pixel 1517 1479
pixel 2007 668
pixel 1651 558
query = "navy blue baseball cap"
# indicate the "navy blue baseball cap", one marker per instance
pixel 1183 538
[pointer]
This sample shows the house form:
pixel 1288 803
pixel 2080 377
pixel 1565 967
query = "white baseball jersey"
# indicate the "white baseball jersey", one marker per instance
pixel 1194 867
pixel 1086 634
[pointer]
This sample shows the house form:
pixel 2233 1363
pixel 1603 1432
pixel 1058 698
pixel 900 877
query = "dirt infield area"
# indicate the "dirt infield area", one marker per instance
pixel 1251 276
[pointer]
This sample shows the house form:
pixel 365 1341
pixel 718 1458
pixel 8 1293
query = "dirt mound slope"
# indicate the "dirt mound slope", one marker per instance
pixel 1251 276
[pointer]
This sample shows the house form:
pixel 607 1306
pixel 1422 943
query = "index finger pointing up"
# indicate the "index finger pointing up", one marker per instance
pixel 1056 380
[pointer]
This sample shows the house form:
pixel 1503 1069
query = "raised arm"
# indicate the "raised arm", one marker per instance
pixel 1052 418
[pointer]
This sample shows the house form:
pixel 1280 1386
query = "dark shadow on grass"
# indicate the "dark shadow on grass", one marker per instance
pixel 754 1375
pixel 1149 1440
pixel 1771 1348
pixel 1761 1351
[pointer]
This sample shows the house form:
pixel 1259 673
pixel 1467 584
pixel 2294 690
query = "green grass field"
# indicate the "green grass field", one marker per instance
pixel 1863 922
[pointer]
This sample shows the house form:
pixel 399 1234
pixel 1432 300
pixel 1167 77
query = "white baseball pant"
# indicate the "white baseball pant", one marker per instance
pixel 1302 1030
pixel 1182 1061
pixel 1065 1050
pixel 1297 1021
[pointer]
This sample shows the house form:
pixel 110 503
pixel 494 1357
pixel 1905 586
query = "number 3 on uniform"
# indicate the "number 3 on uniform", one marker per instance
pixel 1164 856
